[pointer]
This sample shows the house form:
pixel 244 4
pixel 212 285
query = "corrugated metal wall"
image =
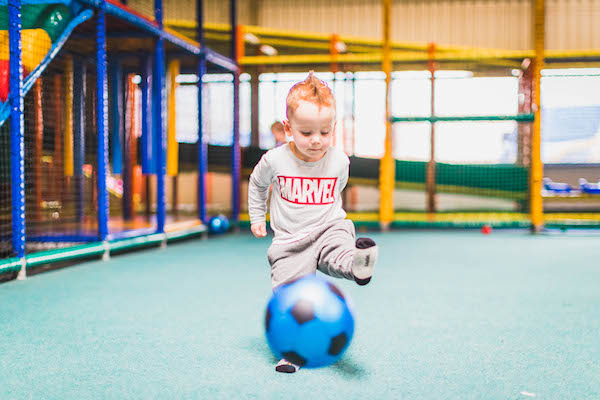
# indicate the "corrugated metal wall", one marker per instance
pixel 215 11
pixel 571 24
pixel 481 23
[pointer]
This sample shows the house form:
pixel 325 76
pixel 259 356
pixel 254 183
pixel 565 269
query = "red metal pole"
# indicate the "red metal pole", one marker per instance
pixel 57 159
pixel 430 184
pixel 525 107
pixel 38 122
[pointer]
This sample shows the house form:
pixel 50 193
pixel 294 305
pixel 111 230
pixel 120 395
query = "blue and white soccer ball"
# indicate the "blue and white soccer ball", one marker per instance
pixel 218 224
pixel 309 323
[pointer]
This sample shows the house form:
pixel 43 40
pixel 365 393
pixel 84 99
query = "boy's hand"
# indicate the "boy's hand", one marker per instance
pixel 259 229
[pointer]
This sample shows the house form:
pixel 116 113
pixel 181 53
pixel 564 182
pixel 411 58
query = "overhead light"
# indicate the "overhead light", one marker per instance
pixel 251 38
pixel 340 47
pixel 516 72
pixel 268 50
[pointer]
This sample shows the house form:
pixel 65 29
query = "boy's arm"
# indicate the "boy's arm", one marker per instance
pixel 258 191
pixel 344 175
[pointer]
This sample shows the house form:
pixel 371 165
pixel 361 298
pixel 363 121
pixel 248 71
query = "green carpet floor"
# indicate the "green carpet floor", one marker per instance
pixel 449 315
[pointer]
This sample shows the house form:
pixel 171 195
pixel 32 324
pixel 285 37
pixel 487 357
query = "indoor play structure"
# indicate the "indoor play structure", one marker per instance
pixel 92 154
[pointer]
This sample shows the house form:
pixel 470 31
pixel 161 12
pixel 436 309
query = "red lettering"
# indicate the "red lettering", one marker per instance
pixel 304 190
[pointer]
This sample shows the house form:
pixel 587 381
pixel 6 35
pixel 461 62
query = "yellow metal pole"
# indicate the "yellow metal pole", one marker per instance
pixel 301 39
pixel 312 36
pixel 172 146
pixel 536 174
pixel 376 57
pixel 387 166
pixel 181 37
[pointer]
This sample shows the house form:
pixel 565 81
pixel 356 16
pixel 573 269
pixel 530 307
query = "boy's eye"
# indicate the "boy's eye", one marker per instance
pixel 324 133
pixel 305 133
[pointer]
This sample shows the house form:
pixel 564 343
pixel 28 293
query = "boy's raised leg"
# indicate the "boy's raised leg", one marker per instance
pixel 341 256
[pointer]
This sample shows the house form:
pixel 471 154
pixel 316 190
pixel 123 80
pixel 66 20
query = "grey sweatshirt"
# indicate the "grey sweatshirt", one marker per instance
pixel 305 194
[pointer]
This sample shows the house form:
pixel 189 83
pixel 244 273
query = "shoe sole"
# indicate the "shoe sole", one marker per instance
pixel 288 369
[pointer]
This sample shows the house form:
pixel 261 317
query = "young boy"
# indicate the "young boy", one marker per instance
pixel 278 133
pixel 308 176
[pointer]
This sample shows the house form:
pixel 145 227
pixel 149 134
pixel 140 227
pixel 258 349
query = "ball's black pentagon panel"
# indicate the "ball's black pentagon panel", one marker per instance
pixel 303 311
pixel 337 344
pixel 294 358
pixel 267 319
pixel 335 290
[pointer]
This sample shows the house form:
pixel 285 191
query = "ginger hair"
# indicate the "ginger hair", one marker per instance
pixel 312 90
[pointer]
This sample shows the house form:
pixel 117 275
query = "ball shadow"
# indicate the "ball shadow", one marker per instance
pixel 348 368
pixel 345 367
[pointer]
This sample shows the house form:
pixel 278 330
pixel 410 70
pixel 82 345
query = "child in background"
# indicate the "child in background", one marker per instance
pixel 278 133
pixel 308 176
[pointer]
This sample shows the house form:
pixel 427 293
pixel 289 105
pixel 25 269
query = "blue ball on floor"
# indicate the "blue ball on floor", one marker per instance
pixel 309 323
pixel 218 224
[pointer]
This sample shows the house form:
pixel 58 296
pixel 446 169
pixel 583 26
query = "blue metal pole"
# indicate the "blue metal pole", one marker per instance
pixel 102 121
pixel 116 95
pixel 158 106
pixel 145 87
pixel 158 13
pixel 235 148
pixel 17 129
pixel 202 145
pixel 78 133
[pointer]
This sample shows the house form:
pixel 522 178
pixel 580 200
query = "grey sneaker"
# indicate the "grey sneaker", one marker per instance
pixel 287 367
pixel 363 264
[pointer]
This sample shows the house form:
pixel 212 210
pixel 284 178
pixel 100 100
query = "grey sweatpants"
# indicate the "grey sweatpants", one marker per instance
pixel 330 249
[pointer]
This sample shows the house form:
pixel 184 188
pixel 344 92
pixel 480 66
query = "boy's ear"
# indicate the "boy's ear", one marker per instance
pixel 334 130
pixel 287 128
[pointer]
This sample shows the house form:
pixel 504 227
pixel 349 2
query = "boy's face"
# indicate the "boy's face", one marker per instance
pixel 312 129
